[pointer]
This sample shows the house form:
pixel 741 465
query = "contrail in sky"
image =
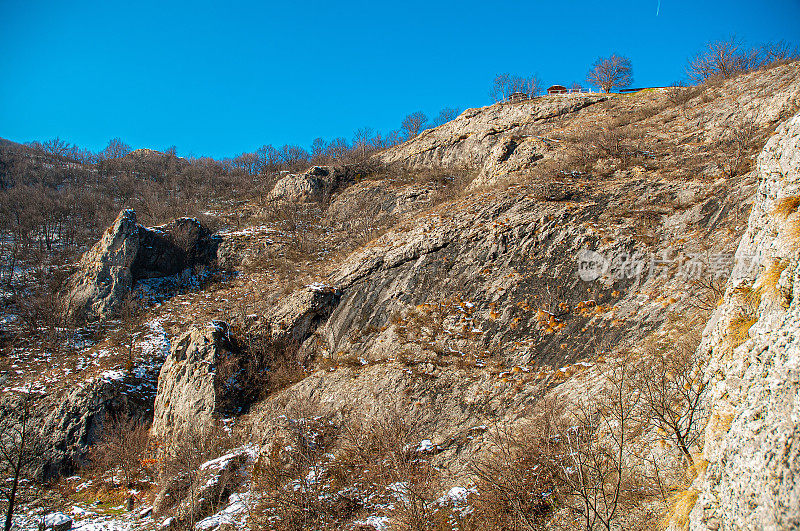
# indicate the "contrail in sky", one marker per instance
pixel 658 8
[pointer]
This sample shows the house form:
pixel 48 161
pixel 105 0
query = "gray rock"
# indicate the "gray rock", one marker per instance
pixel 313 185
pixel 128 252
pixel 104 277
pixel 55 522
pixel 753 439
pixel 189 393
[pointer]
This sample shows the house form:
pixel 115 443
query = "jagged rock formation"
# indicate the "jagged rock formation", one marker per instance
pixel 68 426
pixel 314 184
pixel 205 375
pixel 104 278
pixel 752 442
pixel 469 305
pixel 128 252
pixel 190 389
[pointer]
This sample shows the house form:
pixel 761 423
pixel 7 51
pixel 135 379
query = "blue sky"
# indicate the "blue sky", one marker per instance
pixel 219 78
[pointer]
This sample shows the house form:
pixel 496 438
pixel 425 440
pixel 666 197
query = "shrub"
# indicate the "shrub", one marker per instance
pixel 124 446
pixel 518 480
pixel 736 146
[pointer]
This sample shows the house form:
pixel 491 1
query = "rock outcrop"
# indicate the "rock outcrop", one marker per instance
pixel 104 277
pixel 70 425
pixel 314 184
pixel 209 374
pixel 189 388
pixel 752 440
pixel 499 139
pixel 128 252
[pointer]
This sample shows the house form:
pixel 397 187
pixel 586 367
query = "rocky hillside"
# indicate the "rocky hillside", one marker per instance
pixel 751 445
pixel 462 282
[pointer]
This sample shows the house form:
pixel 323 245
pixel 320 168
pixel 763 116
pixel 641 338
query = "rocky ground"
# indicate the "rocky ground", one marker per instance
pixel 458 290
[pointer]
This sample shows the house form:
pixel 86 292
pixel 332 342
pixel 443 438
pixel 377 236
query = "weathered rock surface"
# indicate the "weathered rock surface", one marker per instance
pixel 70 424
pixel 752 442
pixel 104 278
pixel 128 252
pixel 316 183
pixel 204 376
pixel 498 139
pixel 189 388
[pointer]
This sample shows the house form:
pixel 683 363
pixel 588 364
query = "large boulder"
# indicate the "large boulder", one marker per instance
pixel 128 252
pixel 312 185
pixel 104 277
pixel 189 391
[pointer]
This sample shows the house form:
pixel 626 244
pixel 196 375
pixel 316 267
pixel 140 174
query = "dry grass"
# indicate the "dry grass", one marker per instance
pixel 681 504
pixel 786 206
pixel 738 330
pixel 767 282
pixel 792 230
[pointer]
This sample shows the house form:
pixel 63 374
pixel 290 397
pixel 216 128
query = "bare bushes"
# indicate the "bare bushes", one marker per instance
pixel 620 146
pixel 576 463
pixel 737 147
pixel 288 480
pixel 519 484
pixel 724 59
pixel 587 461
pixel 124 447
pixel 179 473
pixel 318 475
pixel 671 380
pixel 266 363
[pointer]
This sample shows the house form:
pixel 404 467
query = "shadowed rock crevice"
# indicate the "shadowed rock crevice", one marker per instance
pixel 128 252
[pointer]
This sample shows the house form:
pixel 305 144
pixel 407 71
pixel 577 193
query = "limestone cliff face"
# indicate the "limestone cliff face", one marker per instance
pixel 752 441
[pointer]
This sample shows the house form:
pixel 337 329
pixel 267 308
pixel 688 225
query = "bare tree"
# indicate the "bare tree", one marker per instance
pixel 596 435
pixel 778 52
pixel 722 59
pixel 338 148
pixel 413 123
pixel 21 450
pixel 445 115
pixel 123 446
pixel 504 85
pixel 611 72
pixel 319 150
pixel 671 382
pixel 57 147
pixel 736 146
pixel 363 143
pixel 116 149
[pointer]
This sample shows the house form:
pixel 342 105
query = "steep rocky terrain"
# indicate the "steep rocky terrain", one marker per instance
pixel 751 443
pixel 515 249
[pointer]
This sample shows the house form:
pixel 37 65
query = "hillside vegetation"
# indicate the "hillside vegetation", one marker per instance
pixel 497 324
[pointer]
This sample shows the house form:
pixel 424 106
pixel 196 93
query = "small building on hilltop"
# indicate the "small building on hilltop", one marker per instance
pixel 517 97
pixel 557 89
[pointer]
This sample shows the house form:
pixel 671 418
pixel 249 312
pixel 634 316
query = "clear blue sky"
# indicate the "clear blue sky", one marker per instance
pixel 219 78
